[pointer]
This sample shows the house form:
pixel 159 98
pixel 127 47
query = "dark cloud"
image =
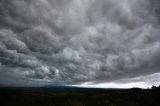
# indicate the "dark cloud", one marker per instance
pixel 76 41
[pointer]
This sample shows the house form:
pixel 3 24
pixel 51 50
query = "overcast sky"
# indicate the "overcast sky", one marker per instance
pixel 93 43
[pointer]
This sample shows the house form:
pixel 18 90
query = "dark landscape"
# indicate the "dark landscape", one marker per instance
pixel 75 96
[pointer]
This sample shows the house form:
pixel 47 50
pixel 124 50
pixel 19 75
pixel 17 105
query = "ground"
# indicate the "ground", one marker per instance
pixel 79 97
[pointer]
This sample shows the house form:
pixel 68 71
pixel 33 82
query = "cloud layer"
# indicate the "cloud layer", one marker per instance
pixel 77 41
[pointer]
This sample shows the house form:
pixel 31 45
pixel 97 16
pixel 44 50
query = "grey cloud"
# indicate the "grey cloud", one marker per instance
pixel 67 42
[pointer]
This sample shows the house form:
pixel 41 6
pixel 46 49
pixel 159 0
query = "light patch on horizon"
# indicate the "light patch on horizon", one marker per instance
pixel 115 85
pixel 140 82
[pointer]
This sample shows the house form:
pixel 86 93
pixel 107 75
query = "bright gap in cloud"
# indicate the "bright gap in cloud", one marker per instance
pixel 140 82
pixel 115 85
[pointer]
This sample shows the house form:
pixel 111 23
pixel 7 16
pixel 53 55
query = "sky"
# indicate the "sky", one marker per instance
pixel 88 43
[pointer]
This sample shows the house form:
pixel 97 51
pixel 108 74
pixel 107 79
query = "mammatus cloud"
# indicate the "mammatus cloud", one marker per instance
pixel 78 41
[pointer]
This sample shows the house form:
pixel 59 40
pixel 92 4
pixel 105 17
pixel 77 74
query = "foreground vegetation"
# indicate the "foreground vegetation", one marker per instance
pixel 79 97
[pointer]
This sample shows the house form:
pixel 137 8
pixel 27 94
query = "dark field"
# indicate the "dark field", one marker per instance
pixel 79 97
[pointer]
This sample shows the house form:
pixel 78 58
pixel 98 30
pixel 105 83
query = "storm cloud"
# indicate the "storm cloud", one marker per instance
pixel 78 41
